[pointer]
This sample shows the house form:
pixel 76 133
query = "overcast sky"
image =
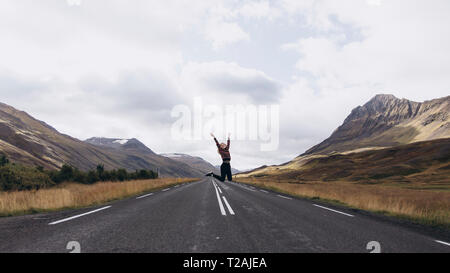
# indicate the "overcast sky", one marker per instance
pixel 117 68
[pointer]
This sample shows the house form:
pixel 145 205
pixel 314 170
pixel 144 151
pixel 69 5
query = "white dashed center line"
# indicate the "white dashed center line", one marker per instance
pixel 228 205
pixel 222 209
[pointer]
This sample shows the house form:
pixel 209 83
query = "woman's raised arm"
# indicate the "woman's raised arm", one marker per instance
pixel 215 139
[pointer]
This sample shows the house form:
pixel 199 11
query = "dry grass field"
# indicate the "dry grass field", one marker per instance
pixel 427 206
pixel 73 195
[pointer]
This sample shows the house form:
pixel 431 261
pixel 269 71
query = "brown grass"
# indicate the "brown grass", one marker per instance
pixel 72 195
pixel 425 206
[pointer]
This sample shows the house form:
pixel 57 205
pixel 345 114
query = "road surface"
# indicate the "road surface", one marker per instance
pixel 212 216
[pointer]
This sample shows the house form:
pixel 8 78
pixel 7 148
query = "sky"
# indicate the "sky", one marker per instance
pixel 110 68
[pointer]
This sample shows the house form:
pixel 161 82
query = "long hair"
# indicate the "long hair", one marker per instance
pixel 220 147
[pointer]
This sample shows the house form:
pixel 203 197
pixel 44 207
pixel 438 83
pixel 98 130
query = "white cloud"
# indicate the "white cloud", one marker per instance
pixel 405 57
pixel 230 83
pixel 255 9
pixel 259 10
pixel 221 33
pixel 101 36
pixel 374 2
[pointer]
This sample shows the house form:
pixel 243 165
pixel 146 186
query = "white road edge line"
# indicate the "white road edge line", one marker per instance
pixel 166 189
pixel 144 196
pixel 228 205
pixel 284 197
pixel 219 189
pixel 442 242
pixel 334 210
pixel 264 191
pixel 76 216
pixel 222 209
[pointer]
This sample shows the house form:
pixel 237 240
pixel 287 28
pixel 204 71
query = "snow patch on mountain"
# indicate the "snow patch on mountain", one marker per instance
pixel 121 141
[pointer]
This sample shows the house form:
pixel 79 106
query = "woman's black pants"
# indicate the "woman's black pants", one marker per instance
pixel 225 171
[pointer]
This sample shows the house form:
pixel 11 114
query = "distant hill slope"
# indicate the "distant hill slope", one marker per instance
pixel 197 163
pixel 194 162
pixel 374 140
pixel 233 170
pixel 27 140
pixel 387 121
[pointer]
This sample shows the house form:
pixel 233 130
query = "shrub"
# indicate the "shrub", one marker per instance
pixel 101 172
pixel 79 176
pixel 66 173
pixel 8 179
pixel 122 174
pixel 92 177
pixel 3 160
pixel 17 177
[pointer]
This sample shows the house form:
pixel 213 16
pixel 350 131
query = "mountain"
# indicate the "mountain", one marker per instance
pixel 387 121
pixel 120 144
pixel 419 162
pixel 194 162
pixel 144 157
pixel 386 137
pixel 27 140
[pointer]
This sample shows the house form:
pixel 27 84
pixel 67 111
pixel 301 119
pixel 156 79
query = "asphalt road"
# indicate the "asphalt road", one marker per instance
pixel 211 216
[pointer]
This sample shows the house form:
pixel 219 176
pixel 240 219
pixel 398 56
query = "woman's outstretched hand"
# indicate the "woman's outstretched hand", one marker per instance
pixel 212 135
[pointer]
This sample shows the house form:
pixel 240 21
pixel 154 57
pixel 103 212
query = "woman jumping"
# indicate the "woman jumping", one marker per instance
pixel 225 168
